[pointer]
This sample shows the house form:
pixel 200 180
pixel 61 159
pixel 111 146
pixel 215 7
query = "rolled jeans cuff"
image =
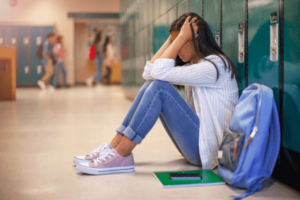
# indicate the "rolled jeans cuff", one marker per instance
pixel 133 136
pixel 121 129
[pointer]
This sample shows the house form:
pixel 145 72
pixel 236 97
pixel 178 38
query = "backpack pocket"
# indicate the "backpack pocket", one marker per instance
pixel 231 150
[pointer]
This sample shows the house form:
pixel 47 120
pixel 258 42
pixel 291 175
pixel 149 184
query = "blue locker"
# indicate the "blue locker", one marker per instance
pixel 35 64
pixel 233 36
pixel 212 17
pixel 195 6
pixel 291 98
pixel 23 69
pixel 10 34
pixel 182 8
pixel 263 62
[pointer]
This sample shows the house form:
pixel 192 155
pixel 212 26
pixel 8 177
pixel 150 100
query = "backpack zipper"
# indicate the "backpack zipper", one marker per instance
pixel 234 146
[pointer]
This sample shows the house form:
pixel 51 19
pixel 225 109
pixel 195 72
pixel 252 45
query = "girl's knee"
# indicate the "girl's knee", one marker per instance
pixel 194 160
pixel 160 84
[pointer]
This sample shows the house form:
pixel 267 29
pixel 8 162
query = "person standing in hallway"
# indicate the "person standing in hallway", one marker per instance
pixel 59 52
pixel 108 52
pixel 96 48
pixel 47 62
pixel 190 58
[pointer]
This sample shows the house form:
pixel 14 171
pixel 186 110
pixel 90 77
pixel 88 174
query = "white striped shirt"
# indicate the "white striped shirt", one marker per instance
pixel 213 101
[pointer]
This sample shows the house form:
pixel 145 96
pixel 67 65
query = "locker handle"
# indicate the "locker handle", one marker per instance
pixel 241 42
pixel 274 42
pixel 26 69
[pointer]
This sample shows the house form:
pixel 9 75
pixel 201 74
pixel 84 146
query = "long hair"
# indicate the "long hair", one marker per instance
pixel 204 45
pixel 97 39
pixel 105 44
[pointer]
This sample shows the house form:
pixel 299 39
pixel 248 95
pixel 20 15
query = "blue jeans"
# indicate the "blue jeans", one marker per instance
pixel 98 62
pixel 159 99
pixel 60 67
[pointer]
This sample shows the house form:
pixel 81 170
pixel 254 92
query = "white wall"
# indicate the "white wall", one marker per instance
pixel 56 12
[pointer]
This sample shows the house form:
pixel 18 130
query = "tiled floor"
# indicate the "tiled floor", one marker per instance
pixel 42 131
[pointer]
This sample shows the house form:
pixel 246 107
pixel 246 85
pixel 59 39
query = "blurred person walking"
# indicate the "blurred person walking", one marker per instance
pixel 95 54
pixel 59 52
pixel 46 51
pixel 109 58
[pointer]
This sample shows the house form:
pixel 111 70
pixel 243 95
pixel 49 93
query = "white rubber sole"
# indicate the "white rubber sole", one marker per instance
pixel 77 161
pixel 97 171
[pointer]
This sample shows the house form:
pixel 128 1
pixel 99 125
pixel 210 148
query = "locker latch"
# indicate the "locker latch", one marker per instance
pixel 26 69
pixel 274 37
pixel 241 43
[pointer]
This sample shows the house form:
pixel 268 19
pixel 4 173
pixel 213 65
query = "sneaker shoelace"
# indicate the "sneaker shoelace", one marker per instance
pixel 101 148
pixel 107 153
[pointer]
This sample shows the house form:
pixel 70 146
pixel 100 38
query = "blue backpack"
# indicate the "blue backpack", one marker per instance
pixel 250 146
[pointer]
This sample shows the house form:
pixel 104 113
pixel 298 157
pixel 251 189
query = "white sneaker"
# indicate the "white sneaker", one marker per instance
pixel 93 155
pixel 51 87
pixel 109 163
pixel 41 84
pixel 89 82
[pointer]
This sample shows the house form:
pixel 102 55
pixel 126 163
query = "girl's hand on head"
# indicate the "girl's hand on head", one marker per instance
pixel 186 31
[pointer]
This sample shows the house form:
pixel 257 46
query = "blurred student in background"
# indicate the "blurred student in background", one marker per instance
pixel 95 54
pixel 47 61
pixel 109 57
pixel 59 52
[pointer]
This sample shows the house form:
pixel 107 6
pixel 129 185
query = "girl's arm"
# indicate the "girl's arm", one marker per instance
pixel 170 49
pixel 149 64
pixel 185 34
pixel 199 74
pixel 161 50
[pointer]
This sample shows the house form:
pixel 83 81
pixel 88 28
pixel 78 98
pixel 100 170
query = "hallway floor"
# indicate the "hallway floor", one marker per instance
pixel 42 131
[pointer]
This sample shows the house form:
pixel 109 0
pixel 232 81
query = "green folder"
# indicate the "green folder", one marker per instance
pixel 208 178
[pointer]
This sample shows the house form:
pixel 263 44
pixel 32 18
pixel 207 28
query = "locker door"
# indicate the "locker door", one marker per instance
pixel 212 17
pixel 233 36
pixel 23 70
pixel 182 8
pixel 195 6
pixel 10 36
pixel 156 35
pixel 172 15
pixel 291 99
pixel 164 29
pixel 262 68
pixel 36 65
pixel 1 35
pixel 287 169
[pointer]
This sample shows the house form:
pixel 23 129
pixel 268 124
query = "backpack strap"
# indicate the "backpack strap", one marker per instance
pixel 241 196
pixel 254 130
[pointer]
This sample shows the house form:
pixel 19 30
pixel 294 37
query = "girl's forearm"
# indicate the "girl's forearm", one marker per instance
pixel 172 51
pixel 161 50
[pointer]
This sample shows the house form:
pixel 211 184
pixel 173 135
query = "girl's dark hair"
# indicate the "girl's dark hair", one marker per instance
pixel 97 38
pixel 59 39
pixel 105 44
pixel 204 45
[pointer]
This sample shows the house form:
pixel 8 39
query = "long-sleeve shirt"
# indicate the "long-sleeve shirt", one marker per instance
pixel 109 56
pixel 213 101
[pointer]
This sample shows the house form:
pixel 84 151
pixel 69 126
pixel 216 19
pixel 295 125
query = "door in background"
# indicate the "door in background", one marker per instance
pixel 81 70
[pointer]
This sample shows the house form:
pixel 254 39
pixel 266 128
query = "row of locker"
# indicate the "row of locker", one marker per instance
pixel 263 44
pixel 26 40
